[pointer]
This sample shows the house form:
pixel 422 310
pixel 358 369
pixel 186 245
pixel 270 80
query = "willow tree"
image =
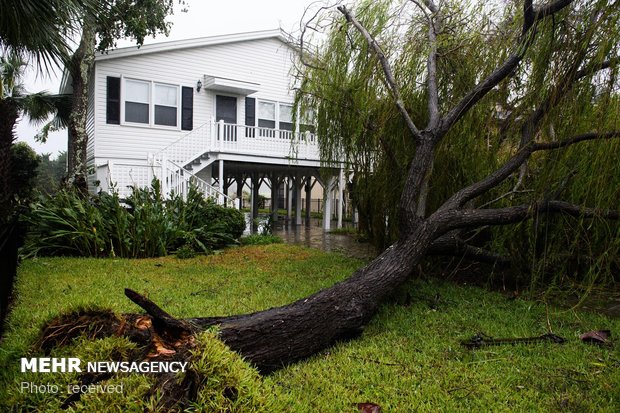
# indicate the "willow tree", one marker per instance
pixel 443 94
pixel 412 74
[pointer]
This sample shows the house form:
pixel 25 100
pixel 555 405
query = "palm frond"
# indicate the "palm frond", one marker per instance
pixel 42 28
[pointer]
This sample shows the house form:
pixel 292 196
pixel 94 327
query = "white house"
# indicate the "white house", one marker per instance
pixel 215 111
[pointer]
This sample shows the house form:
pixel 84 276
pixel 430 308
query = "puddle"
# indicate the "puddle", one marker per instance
pixel 314 236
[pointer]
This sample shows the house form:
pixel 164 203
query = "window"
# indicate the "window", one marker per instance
pixel 155 104
pixel 286 117
pixel 165 101
pixel 266 119
pixel 307 121
pixel 137 98
pixel 267 115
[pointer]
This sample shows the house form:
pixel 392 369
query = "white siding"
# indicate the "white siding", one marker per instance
pixel 267 62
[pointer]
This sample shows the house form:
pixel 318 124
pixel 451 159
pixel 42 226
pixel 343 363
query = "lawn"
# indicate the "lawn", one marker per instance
pixel 408 359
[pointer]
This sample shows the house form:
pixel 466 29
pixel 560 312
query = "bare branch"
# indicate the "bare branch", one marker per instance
pixel 454 246
pixel 503 71
pixel 575 139
pixel 387 70
pixel 498 176
pixel 551 8
pixel 431 5
pixel 455 219
pixel 433 94
pixel 162 321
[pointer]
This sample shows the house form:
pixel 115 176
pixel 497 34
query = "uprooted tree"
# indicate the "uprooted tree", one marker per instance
pixel 543 80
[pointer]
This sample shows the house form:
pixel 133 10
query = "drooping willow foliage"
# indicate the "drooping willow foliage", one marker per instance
pixel 355 115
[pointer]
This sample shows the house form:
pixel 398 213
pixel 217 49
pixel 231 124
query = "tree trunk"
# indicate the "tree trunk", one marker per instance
pixel 80 66
pixel 279 336
pixel 8 240
pixel 8 118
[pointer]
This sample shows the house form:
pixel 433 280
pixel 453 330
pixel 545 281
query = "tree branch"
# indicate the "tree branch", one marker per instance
pixel 454 246
pixel 162 321
pixel 456 219
pixel 531 15
pixel 387 70
pixel 499 175
pixel 433 94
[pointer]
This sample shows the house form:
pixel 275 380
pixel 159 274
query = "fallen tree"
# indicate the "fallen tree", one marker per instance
pixel 279 336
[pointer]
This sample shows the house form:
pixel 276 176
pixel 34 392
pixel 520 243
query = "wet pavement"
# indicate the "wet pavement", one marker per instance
pixel 314 236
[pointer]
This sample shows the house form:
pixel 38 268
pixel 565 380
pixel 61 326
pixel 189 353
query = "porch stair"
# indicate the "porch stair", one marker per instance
pixel 184 158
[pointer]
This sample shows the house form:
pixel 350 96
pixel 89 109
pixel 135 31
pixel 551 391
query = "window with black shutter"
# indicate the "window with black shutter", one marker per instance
pixel 187 108
pixel 113 100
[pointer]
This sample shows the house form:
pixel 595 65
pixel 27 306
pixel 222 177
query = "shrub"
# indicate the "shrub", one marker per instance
pixel 144 225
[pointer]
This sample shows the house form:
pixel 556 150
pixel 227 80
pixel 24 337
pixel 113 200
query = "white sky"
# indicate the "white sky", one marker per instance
pixel 204 18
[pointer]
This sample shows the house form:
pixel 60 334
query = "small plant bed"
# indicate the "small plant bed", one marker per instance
pixel 144 225
pixel 409 358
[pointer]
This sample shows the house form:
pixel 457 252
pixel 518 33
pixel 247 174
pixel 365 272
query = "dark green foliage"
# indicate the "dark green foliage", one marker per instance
pixel 144 225
pixel 346 79
pixel 51 173
pixel 25 163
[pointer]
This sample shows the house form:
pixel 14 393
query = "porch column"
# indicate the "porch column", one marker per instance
pixel 327 204
pixel 340 196
pixel 255 186
pixel 298 189
pixel 289 199
pixel 274 197
pixel 308 198
pixel 221 180
pixel 240 190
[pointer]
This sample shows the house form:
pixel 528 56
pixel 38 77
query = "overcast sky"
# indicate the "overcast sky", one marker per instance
pixel 204 18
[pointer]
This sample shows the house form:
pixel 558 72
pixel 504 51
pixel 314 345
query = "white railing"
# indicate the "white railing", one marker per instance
pixel 174 179
pixel 188 147
pixel 178 180
pixel 240 139
pixel 122 177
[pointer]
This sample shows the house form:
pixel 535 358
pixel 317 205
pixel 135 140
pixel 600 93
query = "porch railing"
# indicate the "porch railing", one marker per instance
pixel 174 179
pixel 240 139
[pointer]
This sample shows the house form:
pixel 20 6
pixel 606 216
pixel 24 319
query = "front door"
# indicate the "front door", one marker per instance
pixel 226 110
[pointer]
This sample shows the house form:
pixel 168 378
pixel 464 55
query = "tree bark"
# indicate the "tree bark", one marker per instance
pixel 80 67
pixel 273 338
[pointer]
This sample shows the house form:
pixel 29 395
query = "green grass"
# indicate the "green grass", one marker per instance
pixel 408 359
pixel 260 239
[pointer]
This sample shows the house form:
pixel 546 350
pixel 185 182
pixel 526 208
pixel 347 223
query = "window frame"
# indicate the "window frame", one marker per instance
pixel 151 104
pixel 275 114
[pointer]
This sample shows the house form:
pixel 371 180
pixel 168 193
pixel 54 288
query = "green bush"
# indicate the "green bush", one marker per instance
pixel 144 225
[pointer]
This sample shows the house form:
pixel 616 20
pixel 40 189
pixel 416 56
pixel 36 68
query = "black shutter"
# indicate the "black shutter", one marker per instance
pixel 250 112
pixel 187 108
pixel 113 100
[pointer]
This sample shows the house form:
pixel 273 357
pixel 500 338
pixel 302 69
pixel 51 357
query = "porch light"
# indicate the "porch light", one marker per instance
pixel 198 86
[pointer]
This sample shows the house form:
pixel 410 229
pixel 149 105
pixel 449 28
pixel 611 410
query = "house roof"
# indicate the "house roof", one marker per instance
pixel 191 43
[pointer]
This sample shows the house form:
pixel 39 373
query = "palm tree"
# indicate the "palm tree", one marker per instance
pixel 41 28
pixel 14 102
pixel 37 29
